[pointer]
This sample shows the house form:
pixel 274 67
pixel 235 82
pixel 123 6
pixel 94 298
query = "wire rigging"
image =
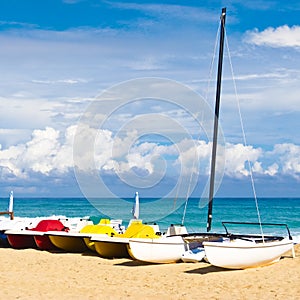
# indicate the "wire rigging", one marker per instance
pixel 244 139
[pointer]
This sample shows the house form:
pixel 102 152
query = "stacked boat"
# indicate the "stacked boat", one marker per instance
pixel 33 235
pixel 108 238
pixel 117 245
pixel 77 240
pixel 143 242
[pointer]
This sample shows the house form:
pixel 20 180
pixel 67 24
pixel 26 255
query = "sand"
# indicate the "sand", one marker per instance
pixel 35 274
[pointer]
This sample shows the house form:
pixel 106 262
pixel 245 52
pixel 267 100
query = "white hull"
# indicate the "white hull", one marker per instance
pixel 193 256
pixel 162 250
pixel 239 254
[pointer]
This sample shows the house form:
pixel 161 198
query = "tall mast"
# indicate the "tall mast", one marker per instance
pixel 216 122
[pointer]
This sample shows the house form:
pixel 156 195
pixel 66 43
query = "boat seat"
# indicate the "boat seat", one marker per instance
pixel 137 229
pixel 176 230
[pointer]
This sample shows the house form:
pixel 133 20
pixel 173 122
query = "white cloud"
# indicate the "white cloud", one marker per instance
pixel 182 12
pixel 275 75
pixel 283 36
pixel 24 111
pixel 195 156
pixel 92 148
pixel 63 161
pixel 18 24
pixel 63 81
pixel 289 158
pixel 237 157
pixel 9 160
pixel 41 150
pixel 52 79
pixel 272 170
pixel 11 136
pixel 51 152
pixel 42 154
pixel 138 160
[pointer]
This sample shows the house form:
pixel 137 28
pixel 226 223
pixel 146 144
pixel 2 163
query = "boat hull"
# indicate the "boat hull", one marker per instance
pixel 80 241
pixel 14 226
pixel 161 250
pixel 193 256
pixel 116 246
pixel 43 242
pixel 21 241
pixel 112 247
pixel 3 240
pixel 34 237
pixel 245 254
pixel 89 244
pixel 101 230
pixel 69 242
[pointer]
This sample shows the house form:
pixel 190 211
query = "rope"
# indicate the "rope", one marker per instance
pixel 188 190
pixel 244 140
pixel 177 192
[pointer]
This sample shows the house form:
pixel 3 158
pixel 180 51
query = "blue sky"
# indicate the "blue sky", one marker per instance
pixel 124 80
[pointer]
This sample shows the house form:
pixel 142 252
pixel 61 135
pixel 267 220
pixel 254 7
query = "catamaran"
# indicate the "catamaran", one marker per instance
pixel 225 250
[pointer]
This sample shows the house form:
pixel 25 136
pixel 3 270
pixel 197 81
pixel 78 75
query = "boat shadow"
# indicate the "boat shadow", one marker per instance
pixel 60 251
pixel 201 270
pixel 208 269
pixel 135 263
pixel 90 253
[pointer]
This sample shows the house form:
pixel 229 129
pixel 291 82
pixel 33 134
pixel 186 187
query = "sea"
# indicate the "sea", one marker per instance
pixel 192 213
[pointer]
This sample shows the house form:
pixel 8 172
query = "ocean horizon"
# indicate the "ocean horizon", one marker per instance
pixel 192 214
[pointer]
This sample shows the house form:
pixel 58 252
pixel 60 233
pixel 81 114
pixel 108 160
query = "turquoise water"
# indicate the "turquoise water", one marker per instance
pixel 168 211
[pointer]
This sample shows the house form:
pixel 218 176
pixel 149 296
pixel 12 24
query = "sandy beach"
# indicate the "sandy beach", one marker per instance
pixel 34 274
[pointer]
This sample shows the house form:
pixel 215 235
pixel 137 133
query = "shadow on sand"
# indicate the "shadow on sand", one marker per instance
pixel 208 269
pixel 135 263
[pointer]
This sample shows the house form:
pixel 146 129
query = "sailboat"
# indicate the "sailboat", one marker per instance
pixel 242 252
pixel 225 250
pixel 239 252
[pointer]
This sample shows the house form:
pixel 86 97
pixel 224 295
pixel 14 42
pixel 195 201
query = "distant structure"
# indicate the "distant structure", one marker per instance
pixel 10 209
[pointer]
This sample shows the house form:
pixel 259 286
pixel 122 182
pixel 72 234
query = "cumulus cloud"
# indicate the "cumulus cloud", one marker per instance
pixel 50 151
pixel 238 157
pixel 284 159
pixel 283 36
pixel 43 154
pixel 289 158
pixel 272 170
